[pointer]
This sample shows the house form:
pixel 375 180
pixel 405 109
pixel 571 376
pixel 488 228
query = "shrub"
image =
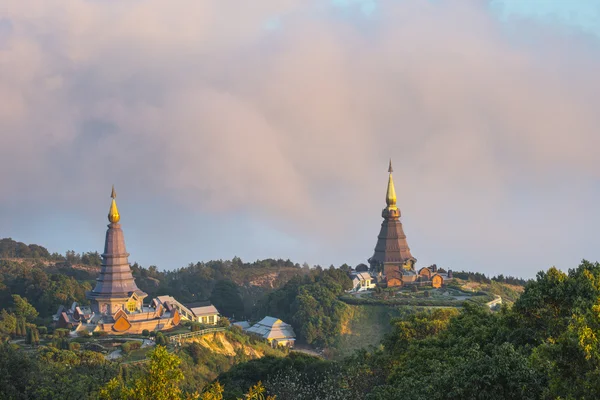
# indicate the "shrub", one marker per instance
pixel 152 334
pixel 161 339
pixel 83 333
pixel 130 346
pixel 414 289
pixel 145 333
pixel 99 333
pixel 61 332
pixel 73 346
pixel 195 327
pixel 42 330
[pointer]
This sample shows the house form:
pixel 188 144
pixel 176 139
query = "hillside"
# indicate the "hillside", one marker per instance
pixel 205 357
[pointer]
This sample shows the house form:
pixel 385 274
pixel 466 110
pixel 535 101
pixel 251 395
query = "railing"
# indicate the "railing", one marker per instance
pixel 178 338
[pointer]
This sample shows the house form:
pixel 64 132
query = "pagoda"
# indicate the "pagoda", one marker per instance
pixel 115 287
pixel 392 256
pixel 116 303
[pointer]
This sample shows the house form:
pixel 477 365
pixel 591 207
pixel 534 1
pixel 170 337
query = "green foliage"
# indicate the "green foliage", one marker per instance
pixel 227 299
pixel 160 339
pixel 23 309
pixel 311 305
pixel 12 249
pixel 130 346
pixel 8 324
pixel 47 372
pixel 43 288
pixel 33 336
pixel 195 327
pixel 160 382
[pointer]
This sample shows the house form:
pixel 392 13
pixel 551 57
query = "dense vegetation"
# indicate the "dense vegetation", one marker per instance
pixel 544 347
pixel 312 305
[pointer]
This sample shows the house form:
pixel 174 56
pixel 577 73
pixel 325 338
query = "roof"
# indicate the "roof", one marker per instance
pixel 272 328
pixel 206 310
pixel 242 324
pixel 363 275
pixel 164 299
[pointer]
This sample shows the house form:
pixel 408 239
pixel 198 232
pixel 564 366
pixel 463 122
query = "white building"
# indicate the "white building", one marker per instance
pixel 362 281
pixel 275 331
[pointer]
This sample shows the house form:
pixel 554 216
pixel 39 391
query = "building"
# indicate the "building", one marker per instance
pixel 243 325
pixel 205 314
pixel 198 312
pixel 391 250
pixel 362 281
pixel 116 303
pixel 275 331
pixel 392 263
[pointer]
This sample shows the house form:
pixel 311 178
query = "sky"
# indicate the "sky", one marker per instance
pixel 264 129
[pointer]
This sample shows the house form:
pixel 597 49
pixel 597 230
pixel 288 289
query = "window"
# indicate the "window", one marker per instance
pixel 204 320
pixel 131 306
pixel 211 319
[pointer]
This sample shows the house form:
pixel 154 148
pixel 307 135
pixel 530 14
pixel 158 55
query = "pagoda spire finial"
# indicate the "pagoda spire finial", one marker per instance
pixel 391 191
pixel 113 213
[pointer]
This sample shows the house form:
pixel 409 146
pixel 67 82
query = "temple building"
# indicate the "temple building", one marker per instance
pixel 392 254
pixel 116 303
pixel 392 264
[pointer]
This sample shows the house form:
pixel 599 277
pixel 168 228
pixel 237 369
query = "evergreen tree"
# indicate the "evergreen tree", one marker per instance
pixel 21 329
pixel 29 338
pixel 35 339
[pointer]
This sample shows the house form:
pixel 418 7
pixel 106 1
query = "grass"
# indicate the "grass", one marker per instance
pixel 177 330
pixel 136 355
pixel 367 326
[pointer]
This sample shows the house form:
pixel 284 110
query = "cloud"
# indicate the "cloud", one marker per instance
pixel 489 123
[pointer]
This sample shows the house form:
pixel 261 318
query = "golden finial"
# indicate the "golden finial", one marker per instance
pixel 113 213
pixel 391 191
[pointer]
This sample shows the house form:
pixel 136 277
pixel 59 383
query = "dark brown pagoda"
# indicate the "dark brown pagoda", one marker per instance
pixel 115 287
pixel 392 252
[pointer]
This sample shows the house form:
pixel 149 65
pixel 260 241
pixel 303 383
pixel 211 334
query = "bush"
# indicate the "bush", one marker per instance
pixel 145 333
pixel 152 334
pixel 426 293
pixel 99 333
pixel 130 346
pixel 42 330
pixel 61 333
pixel 73 346
pixel 83 333
pixel 414 289
pixel 195 327
pixel 161 339
pixel 223 322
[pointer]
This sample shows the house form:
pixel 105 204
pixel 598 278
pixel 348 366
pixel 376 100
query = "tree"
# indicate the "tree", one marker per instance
pixel 227 299
pixel 8 323
pixel 160 382
pixel 24 309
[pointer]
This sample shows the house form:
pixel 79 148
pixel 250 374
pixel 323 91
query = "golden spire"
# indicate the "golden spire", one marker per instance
pixel 391 191
pixel 113 213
